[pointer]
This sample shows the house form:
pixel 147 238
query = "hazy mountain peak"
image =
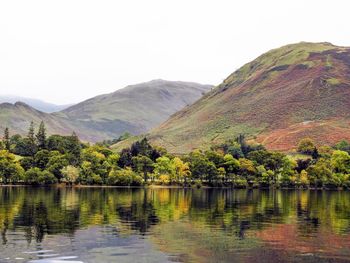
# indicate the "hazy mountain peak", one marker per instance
pixel 21 104
pixel 6 105
pixel 34 103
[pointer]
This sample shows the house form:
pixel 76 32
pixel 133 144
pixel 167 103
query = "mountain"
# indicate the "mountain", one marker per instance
pixel 134 109
pixel 296 91
pixel 17 118
pixel 36 104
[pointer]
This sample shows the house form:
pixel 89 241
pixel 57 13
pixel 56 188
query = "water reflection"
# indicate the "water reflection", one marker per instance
pixel 175 225
pixel 53 259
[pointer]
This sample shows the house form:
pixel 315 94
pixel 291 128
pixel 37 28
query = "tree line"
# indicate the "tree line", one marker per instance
pixel 38 159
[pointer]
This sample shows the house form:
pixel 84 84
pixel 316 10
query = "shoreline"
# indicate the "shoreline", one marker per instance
pixel 166 187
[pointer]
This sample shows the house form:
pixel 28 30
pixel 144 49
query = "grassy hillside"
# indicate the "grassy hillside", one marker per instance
pixel 287 93
pixel 17 118
pixel 134 109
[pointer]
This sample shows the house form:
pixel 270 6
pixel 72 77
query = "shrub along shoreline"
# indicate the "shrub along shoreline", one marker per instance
pixel 55 160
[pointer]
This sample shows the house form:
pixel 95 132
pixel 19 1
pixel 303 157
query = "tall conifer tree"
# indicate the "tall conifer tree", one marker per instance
pixel 7 139
pixel 31 139
pixel 41 136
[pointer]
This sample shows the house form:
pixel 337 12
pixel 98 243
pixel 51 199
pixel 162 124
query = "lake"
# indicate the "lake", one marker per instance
pixel 173 225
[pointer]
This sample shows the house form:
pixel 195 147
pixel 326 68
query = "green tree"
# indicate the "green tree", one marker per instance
pixel 144 148
pixel 306 146
pixel 287 172
pixel 68 145
pixel 113 160
pixel 231 164
pixel 343 146
pixel 55 164
pixel 36 176
pixel 320 173
pixel 10 170
pixel 340 161
pixel 70 174
pixel 221 175
pixel 315 154
pixel 247 167
pixel 303 179
pixel 270 160
pixel 7 139
pixel 125 159
pixel 99 162
pixel 124 177
pixel 41 159
pixel 27 162
pixel 31 135
pixel 32 147
pixel 198 163
pixel 46 178
pixel 215 157
pixel 24 147
pixel 86 175
pixel 164 166
pixel 201 167
pixel 144 165
pixel 73 147
pixel 235 150
pixel 41 136
pixel 267 177
pixel 57 143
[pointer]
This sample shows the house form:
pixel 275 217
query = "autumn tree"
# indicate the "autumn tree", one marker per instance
pixel 182 170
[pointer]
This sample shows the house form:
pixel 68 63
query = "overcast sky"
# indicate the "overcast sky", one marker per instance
pixel 69 50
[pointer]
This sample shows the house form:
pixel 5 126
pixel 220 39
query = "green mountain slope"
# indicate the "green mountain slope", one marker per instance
pixel 296 91
pixel 134 109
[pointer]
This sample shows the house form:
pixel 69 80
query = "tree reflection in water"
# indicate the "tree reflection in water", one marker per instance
pixel 212 219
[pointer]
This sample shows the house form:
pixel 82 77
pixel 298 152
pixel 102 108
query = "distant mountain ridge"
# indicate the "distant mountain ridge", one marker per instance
pixel 134 109
pixel 296 91
pixel 139 107
pixel 35 103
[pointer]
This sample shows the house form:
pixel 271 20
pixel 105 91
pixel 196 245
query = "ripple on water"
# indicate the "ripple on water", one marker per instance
pixel 56 260
pixel 46 256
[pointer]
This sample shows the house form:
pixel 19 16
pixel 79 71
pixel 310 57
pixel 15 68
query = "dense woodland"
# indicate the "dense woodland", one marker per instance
pixel 38 159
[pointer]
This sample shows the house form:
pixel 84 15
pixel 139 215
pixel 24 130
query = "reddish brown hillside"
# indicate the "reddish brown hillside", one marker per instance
pixel 286 94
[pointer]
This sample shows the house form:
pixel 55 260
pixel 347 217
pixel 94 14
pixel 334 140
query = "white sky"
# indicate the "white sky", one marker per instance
pixel 64 51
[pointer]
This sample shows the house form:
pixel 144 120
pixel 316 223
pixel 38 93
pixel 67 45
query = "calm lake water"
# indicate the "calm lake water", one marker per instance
pixel 173 225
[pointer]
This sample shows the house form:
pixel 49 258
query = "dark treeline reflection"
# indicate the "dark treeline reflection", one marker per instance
pixel 37 212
